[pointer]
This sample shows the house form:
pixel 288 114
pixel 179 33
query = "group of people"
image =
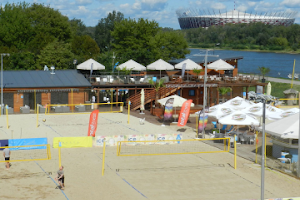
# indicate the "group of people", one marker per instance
pixel 60 173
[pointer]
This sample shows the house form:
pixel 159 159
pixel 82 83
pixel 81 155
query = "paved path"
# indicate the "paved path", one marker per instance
pixel 279 80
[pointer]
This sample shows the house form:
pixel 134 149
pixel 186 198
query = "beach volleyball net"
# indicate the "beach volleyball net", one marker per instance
pixel 28 153
pixel 169 147
pixel 67 109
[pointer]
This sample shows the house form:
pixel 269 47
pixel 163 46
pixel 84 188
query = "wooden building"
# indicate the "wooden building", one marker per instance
pixel 22 88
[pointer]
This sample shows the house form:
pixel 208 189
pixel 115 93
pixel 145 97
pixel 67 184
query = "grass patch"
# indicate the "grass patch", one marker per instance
pixel 278 88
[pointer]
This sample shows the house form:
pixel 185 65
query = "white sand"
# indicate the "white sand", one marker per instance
pixel 198 176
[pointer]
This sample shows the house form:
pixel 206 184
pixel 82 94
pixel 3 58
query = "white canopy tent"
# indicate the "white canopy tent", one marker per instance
pixel 133 65
pixel 220 65
pixel 160 65
pixel 90 64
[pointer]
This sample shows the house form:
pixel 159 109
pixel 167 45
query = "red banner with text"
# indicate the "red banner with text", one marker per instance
pixel 93 123
pixel 184 113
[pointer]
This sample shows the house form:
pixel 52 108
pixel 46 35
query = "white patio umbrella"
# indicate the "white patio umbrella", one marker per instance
pixel 218 111
pixel 287 127
pixel 220 65
pixel 238 103
pixel 257 110
pixel 269 88
pixel 284 113
pixel 190 65
pixel 133 65
pixel 87 65
pixel 142 101
pixel 160 65
pixel 239 118
pixel 178 101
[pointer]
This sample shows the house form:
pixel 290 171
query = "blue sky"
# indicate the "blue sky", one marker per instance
pixel 162 11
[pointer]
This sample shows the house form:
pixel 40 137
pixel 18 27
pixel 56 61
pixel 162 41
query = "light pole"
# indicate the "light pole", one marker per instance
pixel 204 86
pixel 2 106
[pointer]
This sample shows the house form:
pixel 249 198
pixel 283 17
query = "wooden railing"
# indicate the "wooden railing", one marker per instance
pixel 150 96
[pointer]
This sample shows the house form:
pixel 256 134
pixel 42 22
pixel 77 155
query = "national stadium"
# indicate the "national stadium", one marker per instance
pixel 195 18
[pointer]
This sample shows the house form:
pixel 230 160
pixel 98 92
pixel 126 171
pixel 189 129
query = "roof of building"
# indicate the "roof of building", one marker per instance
pixel 44 79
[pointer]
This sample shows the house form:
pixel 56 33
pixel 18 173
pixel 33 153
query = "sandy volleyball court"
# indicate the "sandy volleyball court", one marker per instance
pixel 197 176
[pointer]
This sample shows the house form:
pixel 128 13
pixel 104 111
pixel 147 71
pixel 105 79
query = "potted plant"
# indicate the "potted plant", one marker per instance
pixel 223 91
pixel 127 72
pixel 157 85
pixel 197 72
pixel 264 71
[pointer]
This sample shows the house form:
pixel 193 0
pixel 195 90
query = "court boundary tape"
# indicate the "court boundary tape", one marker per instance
pixel 123 178
pixel 51 179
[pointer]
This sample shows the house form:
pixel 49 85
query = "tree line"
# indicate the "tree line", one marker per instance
pixel 36 35
pixel 246 36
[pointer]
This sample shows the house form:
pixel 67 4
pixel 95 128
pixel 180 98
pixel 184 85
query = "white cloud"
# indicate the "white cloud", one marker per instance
pixel 84 2
pixel 291 3
pixel 218 6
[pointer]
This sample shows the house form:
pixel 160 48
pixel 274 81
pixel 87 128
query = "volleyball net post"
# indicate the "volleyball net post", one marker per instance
pixel 59 153
pixel 7 123
pixel 103 158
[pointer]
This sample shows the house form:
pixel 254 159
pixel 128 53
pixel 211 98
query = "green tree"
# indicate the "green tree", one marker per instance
pixel 264 71
pixel 56 53
pixel 103 30
pixel 85 47
pixel 143 41
pixel 157 85
pixel 223 91
pixel 169 45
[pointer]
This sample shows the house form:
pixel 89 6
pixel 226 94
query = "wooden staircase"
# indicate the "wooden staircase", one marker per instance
pixel 150 96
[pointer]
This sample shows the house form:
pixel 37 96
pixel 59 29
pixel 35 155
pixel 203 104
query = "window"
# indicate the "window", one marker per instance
pixel 191 92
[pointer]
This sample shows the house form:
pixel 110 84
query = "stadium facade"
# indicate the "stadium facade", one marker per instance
pixel 190 18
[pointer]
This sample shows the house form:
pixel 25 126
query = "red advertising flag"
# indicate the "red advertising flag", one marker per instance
pixel 93 123
pixel 184 113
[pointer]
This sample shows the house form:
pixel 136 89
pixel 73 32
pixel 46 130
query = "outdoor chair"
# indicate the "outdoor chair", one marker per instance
pixel 230 129
pixel 251 139
pixel 98 79
pixel 25 109
pixel 224 128
pixel 41 108
pixel 214 123
pixel 242 139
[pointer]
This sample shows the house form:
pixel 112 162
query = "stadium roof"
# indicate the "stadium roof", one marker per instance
pixel 44 79
pixel 190 12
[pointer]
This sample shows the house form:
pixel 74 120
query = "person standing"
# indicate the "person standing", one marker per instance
pixel 61 177
pixel 6 154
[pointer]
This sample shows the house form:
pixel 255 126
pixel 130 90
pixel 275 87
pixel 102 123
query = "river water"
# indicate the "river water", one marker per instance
pixel 280 64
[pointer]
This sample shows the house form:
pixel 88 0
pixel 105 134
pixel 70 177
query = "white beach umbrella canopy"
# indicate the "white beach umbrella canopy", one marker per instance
pixel 160 65
pixel 190 65
pixel 178 101
pixel 239 118
pixel 287 127
pixel 133 65
pixel 271 112
pixel 91 64
pixel 238 103
pixel 218 111
pixel 220 65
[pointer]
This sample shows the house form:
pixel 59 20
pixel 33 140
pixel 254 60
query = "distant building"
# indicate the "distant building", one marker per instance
pixel 190 18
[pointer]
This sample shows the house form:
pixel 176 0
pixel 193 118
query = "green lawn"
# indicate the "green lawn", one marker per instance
pixel 278 88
